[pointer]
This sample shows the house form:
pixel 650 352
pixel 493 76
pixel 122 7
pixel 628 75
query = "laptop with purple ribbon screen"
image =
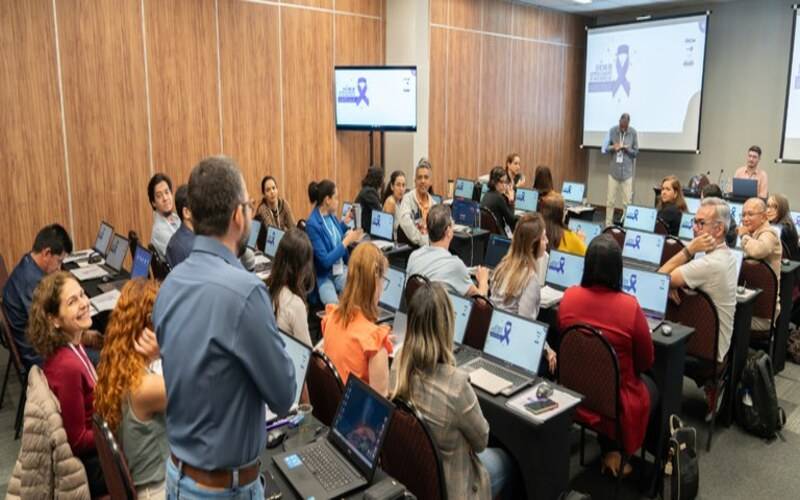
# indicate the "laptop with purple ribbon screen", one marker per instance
pixel 643 247
pixel 641 218
pixel 573 192
pixel 526 200
pixel 564 270
pixel 590 230
pixel 651 291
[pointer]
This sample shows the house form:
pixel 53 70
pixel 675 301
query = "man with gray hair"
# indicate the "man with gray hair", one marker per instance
pixel 714 273
pixel 412 213
pixel 622 144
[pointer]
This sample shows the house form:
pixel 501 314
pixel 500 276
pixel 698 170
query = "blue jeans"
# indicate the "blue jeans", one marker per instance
pixel 180 486
pixel 498 465
pixel 330 288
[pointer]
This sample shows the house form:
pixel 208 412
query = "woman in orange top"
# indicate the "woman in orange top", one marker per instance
pixel 353 341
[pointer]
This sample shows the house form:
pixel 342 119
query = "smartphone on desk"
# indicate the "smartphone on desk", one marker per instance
pixel 271 490
pixel 540 406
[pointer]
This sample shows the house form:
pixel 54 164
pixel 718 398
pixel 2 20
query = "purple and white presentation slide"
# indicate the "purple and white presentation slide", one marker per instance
pixel 376 98
pixel 791 133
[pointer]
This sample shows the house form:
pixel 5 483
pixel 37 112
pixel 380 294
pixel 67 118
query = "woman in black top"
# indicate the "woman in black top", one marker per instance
pixel 543 180
pixel 671 204
pixel 495 199
pixel 369 197
pixel 778 213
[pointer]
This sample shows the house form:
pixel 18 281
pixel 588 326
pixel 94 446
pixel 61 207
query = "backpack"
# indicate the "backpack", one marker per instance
pixel 793 346
pixel 757 409
pixel 681 467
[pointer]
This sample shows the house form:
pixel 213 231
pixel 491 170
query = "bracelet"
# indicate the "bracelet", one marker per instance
pixel 688 253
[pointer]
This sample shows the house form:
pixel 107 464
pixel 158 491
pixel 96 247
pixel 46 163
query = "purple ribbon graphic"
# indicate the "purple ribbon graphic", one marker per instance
pixel 622 72
pixel 376 220
pixel 349 93
pixel 631 287
pixel 634 215
pixel 558 267
pixel 635 242
pixel 362 91
pixel 502 337
pixel 566 189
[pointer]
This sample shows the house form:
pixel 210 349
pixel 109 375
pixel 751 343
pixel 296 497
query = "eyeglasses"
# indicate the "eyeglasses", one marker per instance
pixel 702 223
pixel 752 214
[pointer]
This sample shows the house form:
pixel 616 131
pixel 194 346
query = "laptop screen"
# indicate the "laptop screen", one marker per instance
pixel 484 189
pixel 116 252
pixel 686 232
pixel 796 220
pixel 274 236
pixel 590 229
pixel 496 250
pixel 745 187
pixel 526 199
pixel 564 269
pixel 394 283
pixel 300 354
pixel 346 207
pixel 641 218
pixel 382 225
pixel 141 263
pixel 255 228
pixel 104 235
pixel 466 212
pixel 646 247
pixel 736 212
pixel 462 307
pixel 464 189
pixel 650 289
pixel 692 204
pixel 573 191
pixel 360 424
pixel 516 340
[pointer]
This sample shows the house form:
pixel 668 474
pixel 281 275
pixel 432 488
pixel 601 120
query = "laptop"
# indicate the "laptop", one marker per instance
pixel 744 188
pixel 274 236
pixel 462 308
pixel 117 250
pixel 100 247
pixel 511 354
pixel 300 355
pixel 796 219
pixel 381 230
pixel 436 199
pixel 736 212
pixel 140 269
pixel 563 271
pixel 262 263
pixel 692 204
pixel 525 201
pixel 466 214
pixel 394 282
pixel 573 193
pixel 686 232
pixel 641 218
pixel 347 458
pixel 496 249
pixel 590 229
pixel 464 189
pixel 643 250
pixel 651 291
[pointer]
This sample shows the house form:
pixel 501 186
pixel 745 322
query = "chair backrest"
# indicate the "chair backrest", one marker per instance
pixel 158 265
pixel 133 243
pixel 413 283
pixel 410 455
pixel 697 311
pixel 785 252
pixel 758 274
pixel 617 233
pixel 301 224
pixel 8 340
pixel 672 247
pixel 3 276
pixel 489 222
pixel 478 322
pixel 325 387
pixel 661 227
pixel 115 468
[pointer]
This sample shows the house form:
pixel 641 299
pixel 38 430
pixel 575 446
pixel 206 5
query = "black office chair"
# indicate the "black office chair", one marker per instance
pixel 158 265
pixel 15 360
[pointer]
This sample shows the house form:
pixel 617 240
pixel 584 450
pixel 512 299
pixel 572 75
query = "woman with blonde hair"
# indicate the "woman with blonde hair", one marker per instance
pixel 353 341
pixel 671 204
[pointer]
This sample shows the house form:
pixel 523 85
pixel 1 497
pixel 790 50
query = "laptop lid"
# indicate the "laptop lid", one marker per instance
pixel 464 188
pixel 642 246
pixel 590 229
pixel 382 225
pixel 300 354
pixel 346 207
pixel 274 236
pixel 573 191
pixel 564 270
pixel 692 204
pixel 736 212
pixel 641 218
pixel 104 234
pixel 255 228
pixel 496 250
pixel 746 188
pixel 466 212
pixel 516 340
pixel 462 308
pixel 687 221
pixel 141 263
pixel 526 199
pixel 650 289
pixel 394 282
pixel 116 252
pixel 436 199
pixel 360 425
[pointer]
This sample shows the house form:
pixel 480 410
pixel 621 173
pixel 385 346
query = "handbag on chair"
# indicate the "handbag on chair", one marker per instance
pixel 681 468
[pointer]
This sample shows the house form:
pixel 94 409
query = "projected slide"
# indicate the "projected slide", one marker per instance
pixel 376 98
pixel 790 145
pixel 652 70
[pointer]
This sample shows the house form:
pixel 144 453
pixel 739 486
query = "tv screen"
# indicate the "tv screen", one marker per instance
pixel 376 97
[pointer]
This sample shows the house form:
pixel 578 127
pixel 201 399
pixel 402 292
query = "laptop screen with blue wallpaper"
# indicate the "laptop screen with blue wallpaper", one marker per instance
pixel 141 263
pixel 736 212
pixel 515 340
pixel 642 246
pixel 382 225
pixel 394 283
pixel 573 191
pixel 464 189
pixel 462 307
pixel 466 212
pixel 274 236
pixel 641 218
pixel 686 232
pixel 564 269
pixel 526 199
pixel 590 230
pixel 650 289
pixel 255 228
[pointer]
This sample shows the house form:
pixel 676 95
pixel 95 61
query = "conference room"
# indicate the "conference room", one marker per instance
pixel 400 249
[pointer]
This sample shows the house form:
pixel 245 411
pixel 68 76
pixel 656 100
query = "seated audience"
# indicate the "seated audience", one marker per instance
pixel 559 236
pixel 496 201
pixel 425 375
pixel 272 211
pixel 516 283
pixel 393 194
pixel 369 197
pixel 130 395
pixel 600 302
pixel 436 263
pixel 165 220
pixel 759 241
pixel 59 316
pixel 413 212
pixel 514 171
pixel 180 244
pixel 750 170
pixel 714 273
pixel 51 246
pixel 713 191
pixel 329 238
pixel 290 281
pixel 543 180
pixel 671 204
pixel 353 341
pixel 778 214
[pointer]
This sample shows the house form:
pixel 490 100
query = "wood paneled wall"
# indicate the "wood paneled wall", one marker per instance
pixel 505 77
pixel 99 94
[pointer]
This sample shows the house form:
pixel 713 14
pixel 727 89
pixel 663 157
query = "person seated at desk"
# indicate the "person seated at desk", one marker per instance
pixel 516 284
pixel 393 194
pixel 714 191
pixel 759 241
pixel 425 375
pixel 496 201
pixel 514 171
pixel 436 263
pixel 543 180
pixel 329 238
pixel 272 211
pixel 290 280
pixel 559 236
pixel 369 197
pixel 165 220
pixel 181 243
pixel 60 315
pixel 600 302
pixel 714 273
pixel 353 341
pixel 413 212
pixel 778 214
pixel 130 394
pixel 671 204
pixel 750 170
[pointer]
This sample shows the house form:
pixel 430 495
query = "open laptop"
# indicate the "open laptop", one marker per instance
pixel 736 212
pixel 462 308
pixel 573 193
pixel 140 269
pixel 525 200
pixel 692 204
pixel 274 236
pixel 511 354
pixel 464 188
pixel 590 229
pixel 300 355
pixel 100 247
pixel 686 231
pixel 744 188
pixel 563 271
pixel 651 290
pixel 466 214
pixel 641 218
pixel 796 219
pixel 262 263
pixel 394 282
pixel 643 250
pixel 348 457
pixel 381 230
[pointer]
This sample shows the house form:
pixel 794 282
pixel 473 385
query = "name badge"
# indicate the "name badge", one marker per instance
pixel 338 268
pixel 619 156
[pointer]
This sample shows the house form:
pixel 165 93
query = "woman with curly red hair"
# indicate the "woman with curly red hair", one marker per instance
pixel 130 395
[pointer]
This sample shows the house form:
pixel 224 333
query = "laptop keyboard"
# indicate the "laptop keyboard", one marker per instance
pixel 328 470
pixel 501 372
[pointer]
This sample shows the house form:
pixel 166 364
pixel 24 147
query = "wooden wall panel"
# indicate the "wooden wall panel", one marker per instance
pixel 526 21
pixel 497 16
pixel 463 96
pixel 574 159
pixel 437 108
pixel 365 7
pixel 106 115
pixel 251 90
pixel 182 68
pixel 31 145
pixel 439 11
pixel 466 14
pixel 307 49
pixel 324 4
pixel 496 108
pixel 524 120
pixel 547 86
pixel 551 26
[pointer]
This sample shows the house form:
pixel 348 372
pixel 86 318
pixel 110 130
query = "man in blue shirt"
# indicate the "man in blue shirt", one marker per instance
pixel 222 357
pixel 50 247
pixel 180 245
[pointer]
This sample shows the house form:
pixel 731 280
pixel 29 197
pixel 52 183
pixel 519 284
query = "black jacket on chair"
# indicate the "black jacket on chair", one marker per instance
pixel 370 200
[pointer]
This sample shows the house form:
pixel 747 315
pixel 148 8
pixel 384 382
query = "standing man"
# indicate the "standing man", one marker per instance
pixel 221 353
pixel 622 144
pixel 750 170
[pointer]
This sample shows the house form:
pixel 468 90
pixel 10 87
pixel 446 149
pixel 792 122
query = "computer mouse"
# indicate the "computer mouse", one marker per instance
pixel 740 289
pixel 275 437
pixel 666 330
pixel 95 258
pixel 785 262
pixel 544 390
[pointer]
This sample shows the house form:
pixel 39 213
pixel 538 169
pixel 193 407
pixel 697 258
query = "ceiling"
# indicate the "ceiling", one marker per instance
pixel 597 7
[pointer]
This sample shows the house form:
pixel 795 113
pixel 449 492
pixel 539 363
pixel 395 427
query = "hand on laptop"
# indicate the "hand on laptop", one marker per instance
pixel 147 344
pixel 352 236
pixel 702 243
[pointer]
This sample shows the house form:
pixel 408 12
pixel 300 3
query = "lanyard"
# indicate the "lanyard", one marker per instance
pixel 81 354
pixel 622 138
pixel 332 230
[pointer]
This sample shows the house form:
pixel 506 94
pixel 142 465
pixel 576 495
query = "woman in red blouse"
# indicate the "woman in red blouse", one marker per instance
pixel 59 316
pixel 600 302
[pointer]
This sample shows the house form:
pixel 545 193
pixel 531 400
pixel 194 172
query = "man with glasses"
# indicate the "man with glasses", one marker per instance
pixel 715 274
pixel 760 242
